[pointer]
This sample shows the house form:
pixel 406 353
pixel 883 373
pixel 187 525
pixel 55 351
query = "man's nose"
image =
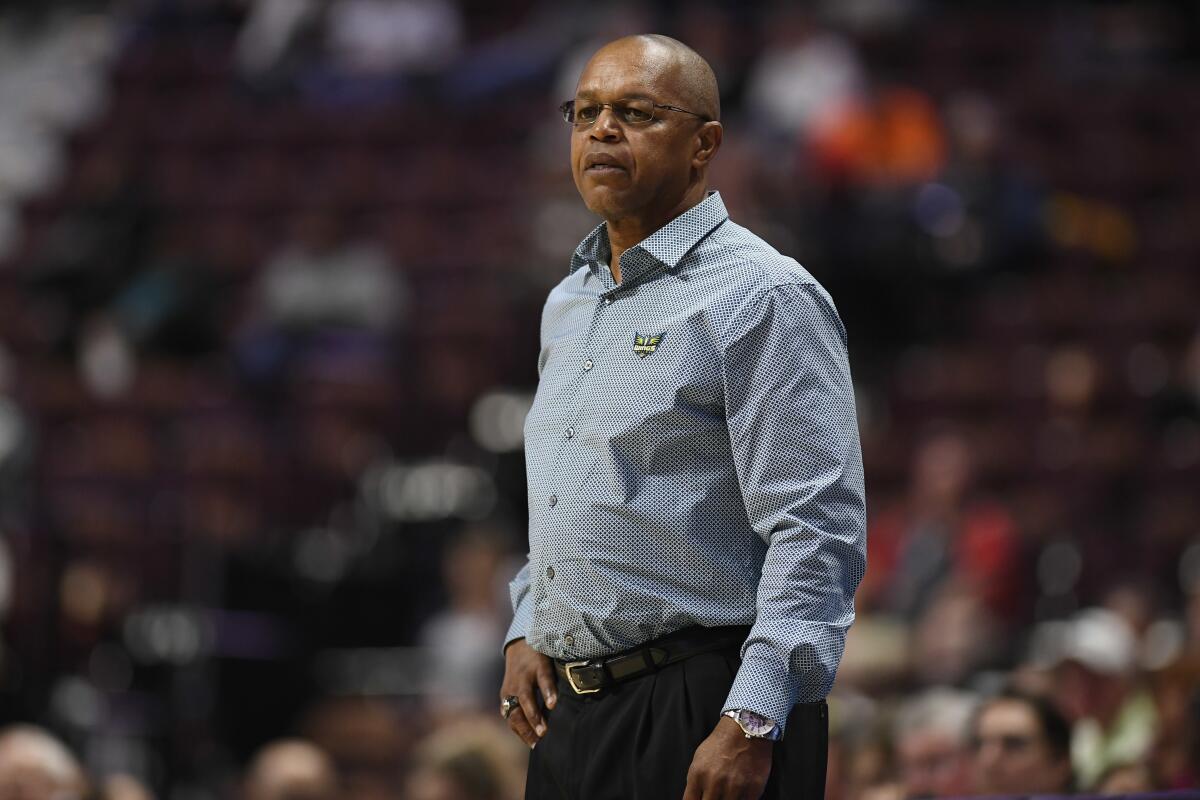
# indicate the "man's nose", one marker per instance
pixel 989 755
pixel 606 127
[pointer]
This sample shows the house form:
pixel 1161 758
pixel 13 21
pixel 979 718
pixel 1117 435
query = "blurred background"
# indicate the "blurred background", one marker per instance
pixel 271 274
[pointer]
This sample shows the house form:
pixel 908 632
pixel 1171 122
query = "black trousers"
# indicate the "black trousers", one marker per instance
pixel 635 740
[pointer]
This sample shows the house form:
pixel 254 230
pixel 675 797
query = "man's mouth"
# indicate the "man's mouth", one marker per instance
pixel 603 164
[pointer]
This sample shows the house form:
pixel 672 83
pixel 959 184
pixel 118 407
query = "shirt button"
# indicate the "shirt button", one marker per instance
pixel 570 433
pixel 587 364
pixel 550 573
pixel 568 640
pixel 608 301
pixel 553 500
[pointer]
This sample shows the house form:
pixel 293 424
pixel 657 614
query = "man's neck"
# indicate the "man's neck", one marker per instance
pixel 627 232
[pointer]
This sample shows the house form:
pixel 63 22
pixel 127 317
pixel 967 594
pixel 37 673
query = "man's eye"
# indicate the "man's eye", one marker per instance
pixel 587 113
pixel 636 114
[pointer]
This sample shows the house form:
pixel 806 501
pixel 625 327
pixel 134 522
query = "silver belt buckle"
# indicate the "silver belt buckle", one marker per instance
pixel 569 669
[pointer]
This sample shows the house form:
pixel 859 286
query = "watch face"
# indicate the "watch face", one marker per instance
pixel 753 724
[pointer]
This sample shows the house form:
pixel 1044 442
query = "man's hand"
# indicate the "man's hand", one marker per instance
pixel 525 670
pixel 728 766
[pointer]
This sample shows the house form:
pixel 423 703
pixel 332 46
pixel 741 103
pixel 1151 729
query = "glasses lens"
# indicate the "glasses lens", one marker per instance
pixel 587 114
pixel 1007 742
pixel 1015 743
pixel 634 112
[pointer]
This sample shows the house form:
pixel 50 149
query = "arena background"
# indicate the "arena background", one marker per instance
pixel 270 282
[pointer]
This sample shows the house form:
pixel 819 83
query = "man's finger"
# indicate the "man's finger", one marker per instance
pixel 545 678
pixel 693 790
pixel 532 713
pixel 520 726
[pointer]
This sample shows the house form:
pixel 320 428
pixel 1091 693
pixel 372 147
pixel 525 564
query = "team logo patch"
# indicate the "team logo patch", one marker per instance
pixel 645 345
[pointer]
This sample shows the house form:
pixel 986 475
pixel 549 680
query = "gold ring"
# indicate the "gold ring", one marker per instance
pixel 508 704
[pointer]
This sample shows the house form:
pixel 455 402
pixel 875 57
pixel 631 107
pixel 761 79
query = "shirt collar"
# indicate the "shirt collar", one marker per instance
pixel 665 247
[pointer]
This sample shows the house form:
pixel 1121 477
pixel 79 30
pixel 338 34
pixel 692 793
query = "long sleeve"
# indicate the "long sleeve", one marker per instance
pixel 794 436
pixel 522 603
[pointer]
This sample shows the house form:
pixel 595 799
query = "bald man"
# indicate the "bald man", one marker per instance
pixel 696 506
pixel 36 766
pixel 291 769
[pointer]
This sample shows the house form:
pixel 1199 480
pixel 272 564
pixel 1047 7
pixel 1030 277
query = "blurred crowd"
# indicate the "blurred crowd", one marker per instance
pixel 271 274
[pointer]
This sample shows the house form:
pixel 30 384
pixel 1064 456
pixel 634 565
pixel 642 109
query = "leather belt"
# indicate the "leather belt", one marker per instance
pixel 591 675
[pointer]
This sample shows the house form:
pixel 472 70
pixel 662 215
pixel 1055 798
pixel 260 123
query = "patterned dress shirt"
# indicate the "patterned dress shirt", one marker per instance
pixel 693 459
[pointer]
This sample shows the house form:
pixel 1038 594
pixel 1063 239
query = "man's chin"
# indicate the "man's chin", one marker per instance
pixel 605 201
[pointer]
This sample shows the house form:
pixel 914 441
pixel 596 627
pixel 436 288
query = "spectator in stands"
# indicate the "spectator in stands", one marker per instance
pixel 861 766
pixel 1126 779
pixel 471 760
pixel 323 279
pixel 464 639
pixel 291 769
pixel 96 246
pixel 805 79
pixel 125 787
pixel 36 766
pixel 1113 717
pixel 1179 399
pixel 942 532
pixel 389 36
pixel 322 291
pixel 993 200
pixel 277 39
pixel 369 737
pixel 1022 746
pixel 169 307
pixel 1173 757
pixel 954 637
pixel 891 137
pixel 371 49
pixel 932 743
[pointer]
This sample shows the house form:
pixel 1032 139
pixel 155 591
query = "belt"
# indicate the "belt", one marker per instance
pixel 591 675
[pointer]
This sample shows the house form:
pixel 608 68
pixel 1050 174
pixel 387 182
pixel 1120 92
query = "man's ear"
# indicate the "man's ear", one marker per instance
pixel 708 142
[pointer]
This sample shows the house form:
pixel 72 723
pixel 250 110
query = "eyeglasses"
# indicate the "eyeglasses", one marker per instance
pixel 1009 742
pixel 636 111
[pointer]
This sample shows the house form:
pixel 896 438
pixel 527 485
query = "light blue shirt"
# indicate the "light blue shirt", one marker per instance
pixel 693 459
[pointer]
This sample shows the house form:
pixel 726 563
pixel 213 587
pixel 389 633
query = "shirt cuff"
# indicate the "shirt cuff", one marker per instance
pixel 765 686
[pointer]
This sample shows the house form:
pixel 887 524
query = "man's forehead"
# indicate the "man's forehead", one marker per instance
pixel 1007 713
pixel 627 71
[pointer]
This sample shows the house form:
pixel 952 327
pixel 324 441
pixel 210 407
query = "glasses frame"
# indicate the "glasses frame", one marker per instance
pixel 1009 742
pixel 567 109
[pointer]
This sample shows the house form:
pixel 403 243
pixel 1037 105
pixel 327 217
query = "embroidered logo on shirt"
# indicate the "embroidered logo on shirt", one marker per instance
pixel 645 345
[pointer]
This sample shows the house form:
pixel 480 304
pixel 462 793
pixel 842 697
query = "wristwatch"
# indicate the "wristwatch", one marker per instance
pixel 755 726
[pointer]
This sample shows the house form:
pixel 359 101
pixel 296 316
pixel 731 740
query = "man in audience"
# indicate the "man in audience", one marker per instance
pixel 931 742
pixel 291 769
pixel 1099 687
pixel 1021 745
pixel 36 766
pixel 121 786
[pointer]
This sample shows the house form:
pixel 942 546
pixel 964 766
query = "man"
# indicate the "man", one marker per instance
pixel 932 743
pixel 1021 746
pixel 1096 681
pixel 36 766
pixel 291 769
pixel 697 515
